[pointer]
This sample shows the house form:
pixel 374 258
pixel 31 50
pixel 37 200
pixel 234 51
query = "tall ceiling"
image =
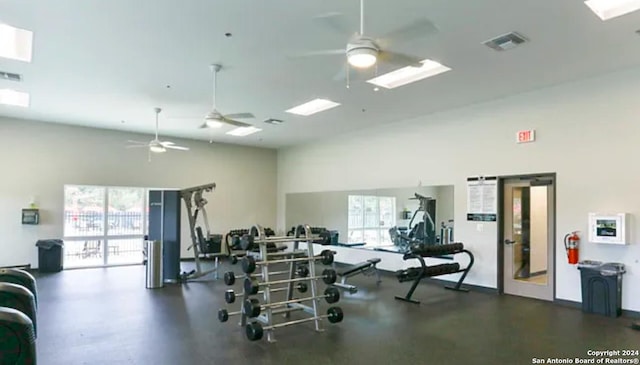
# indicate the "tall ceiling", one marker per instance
pixel 107 64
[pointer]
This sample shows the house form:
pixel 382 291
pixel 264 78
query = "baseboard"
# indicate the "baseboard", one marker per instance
pixel 578 305
pixel 568 303
pixel 26 267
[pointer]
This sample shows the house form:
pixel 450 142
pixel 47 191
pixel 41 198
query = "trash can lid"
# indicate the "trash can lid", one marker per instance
pixel 612 268
pixel 49 243
pixel 589 264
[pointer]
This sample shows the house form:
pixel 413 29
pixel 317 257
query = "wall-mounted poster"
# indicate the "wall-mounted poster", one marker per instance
pixel 482 199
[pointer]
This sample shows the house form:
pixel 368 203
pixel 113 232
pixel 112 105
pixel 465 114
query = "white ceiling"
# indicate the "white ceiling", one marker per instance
pixel 98 63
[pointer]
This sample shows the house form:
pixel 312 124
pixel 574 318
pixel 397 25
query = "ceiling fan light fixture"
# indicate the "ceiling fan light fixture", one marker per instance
pixel 213 123
pixel 157 149
pixel 362 57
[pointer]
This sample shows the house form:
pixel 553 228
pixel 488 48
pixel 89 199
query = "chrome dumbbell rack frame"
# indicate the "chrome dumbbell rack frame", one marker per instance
pixel 302 234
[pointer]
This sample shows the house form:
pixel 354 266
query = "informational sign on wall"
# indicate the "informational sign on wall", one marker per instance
pixel 482 199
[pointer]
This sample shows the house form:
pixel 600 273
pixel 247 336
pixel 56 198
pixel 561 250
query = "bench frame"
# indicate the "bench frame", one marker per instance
pixel 368 269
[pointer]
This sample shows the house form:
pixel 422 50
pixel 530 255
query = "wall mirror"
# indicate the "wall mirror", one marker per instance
pixel 379 218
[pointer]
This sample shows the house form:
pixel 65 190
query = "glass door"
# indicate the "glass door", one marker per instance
pixel 103 226
pixel 528 231
pixel 125 226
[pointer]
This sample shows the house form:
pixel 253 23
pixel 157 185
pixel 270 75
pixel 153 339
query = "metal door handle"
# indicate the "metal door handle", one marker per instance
pixel 509 242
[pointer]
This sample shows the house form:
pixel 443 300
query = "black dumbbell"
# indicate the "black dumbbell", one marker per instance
pixel 230 295
pixel 302 271
pixel 252 307
pixel 255 330
pixel 252 286
pixel 249 263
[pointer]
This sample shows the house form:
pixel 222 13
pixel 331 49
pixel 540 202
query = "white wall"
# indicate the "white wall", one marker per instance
pixel 37 159
pixel 588 133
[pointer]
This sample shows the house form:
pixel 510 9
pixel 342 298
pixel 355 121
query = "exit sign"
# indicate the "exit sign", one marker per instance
pixel 526 136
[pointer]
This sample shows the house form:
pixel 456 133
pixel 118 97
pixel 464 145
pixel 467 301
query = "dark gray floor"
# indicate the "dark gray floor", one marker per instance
pixel 106 316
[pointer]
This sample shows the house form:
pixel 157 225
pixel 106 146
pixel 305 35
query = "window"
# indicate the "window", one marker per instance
pixel 370 218
pixel 104 225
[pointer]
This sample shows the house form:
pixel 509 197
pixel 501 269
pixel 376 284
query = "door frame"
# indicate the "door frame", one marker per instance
pixel 500 223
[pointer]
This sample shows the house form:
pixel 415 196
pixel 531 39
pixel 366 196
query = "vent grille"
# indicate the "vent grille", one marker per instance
pixel 274 121
pixel 10 76
pixel 505 42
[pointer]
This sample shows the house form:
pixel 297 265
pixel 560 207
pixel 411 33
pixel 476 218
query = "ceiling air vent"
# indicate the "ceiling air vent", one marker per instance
pixel 10 76
pixel 273 121
pixel 505 42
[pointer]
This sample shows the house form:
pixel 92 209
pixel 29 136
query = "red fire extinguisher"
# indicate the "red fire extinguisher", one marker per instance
pixel 571 243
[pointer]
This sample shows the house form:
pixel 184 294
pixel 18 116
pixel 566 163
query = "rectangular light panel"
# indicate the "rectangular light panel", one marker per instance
pixel 607 9
pixel 15 98
pixel 243 131
pixel 312 107
pixel 15 43
pixel 409 74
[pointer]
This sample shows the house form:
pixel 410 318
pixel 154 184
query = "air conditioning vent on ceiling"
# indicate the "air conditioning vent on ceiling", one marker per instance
pixel 505 42
pixel 273 121
pixel 10 76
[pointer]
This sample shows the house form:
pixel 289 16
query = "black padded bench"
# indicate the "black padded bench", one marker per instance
pixel 366 268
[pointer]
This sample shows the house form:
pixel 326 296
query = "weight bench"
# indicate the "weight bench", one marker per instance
pixel 366 268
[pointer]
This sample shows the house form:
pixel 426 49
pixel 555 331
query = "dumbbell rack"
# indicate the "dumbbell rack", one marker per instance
pixel 418 273
pixel 297 256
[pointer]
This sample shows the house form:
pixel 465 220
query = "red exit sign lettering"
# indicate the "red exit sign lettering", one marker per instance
pixel 526 136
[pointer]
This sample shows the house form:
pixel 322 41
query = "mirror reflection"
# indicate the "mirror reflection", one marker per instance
pixel 393 218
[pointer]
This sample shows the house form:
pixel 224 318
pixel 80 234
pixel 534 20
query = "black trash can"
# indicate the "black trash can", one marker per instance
pixel 50 255
pixel 601 287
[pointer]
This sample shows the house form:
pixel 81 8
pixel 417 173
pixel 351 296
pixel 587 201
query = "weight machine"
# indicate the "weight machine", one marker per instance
pixel 424 232
pixel 201 244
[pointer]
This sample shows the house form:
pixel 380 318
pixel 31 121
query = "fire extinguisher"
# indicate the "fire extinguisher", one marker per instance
pixel 571 243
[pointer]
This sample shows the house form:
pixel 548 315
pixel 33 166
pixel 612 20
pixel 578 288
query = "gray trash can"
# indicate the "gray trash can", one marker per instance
pixel 50 255
pixel 601 287
pixel 153 270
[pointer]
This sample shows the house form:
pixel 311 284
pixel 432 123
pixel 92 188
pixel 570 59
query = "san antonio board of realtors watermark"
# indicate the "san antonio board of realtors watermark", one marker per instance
pixel 595 357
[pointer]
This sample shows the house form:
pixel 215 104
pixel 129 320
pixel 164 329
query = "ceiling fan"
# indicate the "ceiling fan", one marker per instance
pixel 156 145
pixel 215 119
pixel 363 51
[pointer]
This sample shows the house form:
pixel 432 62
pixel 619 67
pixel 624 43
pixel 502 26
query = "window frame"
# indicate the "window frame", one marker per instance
pixel 382 231
pixel 105 235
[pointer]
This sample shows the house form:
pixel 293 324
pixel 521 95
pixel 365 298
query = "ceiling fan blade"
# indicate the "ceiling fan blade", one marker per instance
pixel 324 52
pixel 399 59
pixel 235 122
pixel 183 117
pixel 419 28
pixel 342 74
pixel 138 142
pixel 180 148
pixel 240 116
pixel 137 146
pixel 337 22
pixel 166 143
